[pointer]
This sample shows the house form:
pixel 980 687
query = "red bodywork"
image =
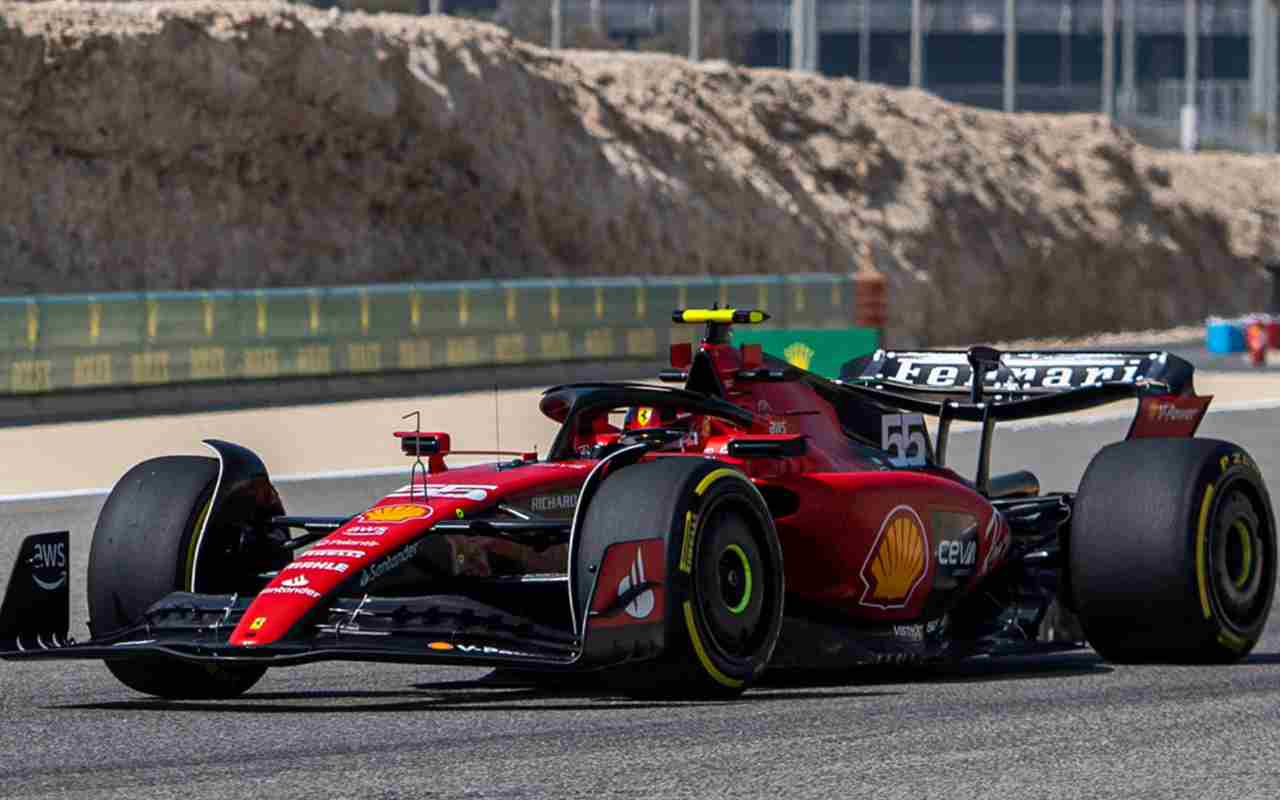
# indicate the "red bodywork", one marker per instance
pixel 860 537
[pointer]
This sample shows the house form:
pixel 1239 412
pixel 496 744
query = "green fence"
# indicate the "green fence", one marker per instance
pixel 66 343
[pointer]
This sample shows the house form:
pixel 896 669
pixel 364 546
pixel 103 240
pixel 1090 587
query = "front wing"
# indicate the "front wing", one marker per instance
pixel 436 629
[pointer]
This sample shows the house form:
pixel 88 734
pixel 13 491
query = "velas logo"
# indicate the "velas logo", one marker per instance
pixel 897 562
pixel 641 605
pixel 799 355
pixel 49 565
pixel 399 513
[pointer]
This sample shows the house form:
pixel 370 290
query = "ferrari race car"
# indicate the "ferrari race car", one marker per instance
pixel 681 541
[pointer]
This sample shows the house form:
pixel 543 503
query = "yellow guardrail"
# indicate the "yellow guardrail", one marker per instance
pixel 56 343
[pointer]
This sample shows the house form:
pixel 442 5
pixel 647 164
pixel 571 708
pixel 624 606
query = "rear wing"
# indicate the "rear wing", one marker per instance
pixel 1017 375
pixel 1019 385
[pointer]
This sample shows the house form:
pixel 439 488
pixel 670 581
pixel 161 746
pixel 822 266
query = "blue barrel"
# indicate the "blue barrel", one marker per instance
pixel 1225 336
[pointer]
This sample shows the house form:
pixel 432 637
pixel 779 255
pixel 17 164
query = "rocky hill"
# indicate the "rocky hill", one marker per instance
pixel 198 144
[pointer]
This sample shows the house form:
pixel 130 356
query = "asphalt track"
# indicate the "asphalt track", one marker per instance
pixel 1062 726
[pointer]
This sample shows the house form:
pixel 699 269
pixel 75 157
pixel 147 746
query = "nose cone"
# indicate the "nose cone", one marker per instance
pixel 346 561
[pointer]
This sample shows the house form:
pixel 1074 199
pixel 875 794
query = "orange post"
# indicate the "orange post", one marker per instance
pixel 1255 337
pixel 870 306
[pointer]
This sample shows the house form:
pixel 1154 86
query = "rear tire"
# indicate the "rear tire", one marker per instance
pixel 144 549
pixel 724 566
pixel 1173 552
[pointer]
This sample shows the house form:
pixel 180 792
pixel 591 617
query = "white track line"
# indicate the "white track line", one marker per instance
pixel 382 472
pixel 378 472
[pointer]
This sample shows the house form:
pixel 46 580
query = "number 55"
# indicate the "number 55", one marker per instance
pixel 905 438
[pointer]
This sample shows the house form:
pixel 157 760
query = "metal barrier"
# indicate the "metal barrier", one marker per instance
pixel 60 344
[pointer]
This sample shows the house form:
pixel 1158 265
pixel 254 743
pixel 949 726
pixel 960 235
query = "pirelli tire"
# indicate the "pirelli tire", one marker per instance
pixel 144 548
pixel 1173 552
pixel 724 589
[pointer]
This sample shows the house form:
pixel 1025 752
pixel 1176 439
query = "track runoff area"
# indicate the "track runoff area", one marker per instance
pixel 1067 725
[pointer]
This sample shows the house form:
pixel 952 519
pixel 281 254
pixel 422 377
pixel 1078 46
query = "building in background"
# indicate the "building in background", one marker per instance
pixel 1059 50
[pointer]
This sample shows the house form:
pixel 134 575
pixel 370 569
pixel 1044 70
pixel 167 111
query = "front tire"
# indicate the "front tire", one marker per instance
pixel 144 549
pixel 1173 552
pixel 724 567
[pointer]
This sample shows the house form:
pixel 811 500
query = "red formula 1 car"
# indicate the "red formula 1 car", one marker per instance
pixel 682 540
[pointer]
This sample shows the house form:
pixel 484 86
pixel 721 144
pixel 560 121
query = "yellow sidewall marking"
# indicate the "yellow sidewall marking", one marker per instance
pixel 187 584
pixel 1246 558
pixel 686 547
pixel 1230 640
pixel 701 652
pixel 1201 575
pixel 714 476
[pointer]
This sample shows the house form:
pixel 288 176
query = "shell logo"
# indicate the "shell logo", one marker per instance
pixel 401 513
pixel 799 355
pixel 897 562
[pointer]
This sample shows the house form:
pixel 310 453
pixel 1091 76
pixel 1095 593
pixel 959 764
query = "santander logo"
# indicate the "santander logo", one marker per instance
pixel 294 583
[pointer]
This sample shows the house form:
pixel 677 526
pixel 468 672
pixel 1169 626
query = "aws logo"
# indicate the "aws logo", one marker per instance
pixel 897 562
pixel 49 565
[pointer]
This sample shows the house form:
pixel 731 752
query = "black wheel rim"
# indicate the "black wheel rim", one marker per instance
pixel 1241 561
pixel 732 583
pixel 735 579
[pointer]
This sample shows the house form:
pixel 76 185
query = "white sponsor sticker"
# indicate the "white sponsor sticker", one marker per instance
pixel 366 530
pixel 312 593
pixel 952 553
pixel 331 553
pixel 449 491
pixel 319 566
pixel 905 438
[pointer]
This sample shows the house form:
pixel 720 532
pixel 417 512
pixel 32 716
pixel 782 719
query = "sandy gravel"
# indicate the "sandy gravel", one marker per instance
pixel 159 145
